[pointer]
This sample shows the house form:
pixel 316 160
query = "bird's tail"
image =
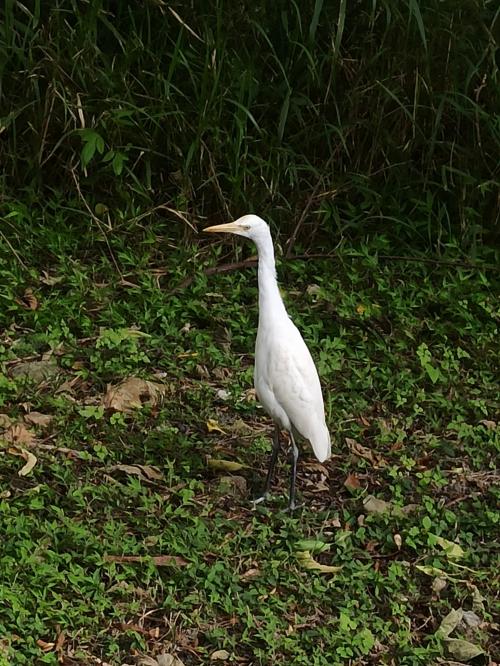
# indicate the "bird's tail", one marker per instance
pixel 321 444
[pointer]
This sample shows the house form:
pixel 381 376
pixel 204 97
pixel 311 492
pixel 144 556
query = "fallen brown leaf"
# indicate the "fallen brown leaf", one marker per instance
pixel 221 373
pixel 363 452
pixel 133 393
pixel 146 472
pixel 50 280
pixel 220 655
pixel 313 289
pixel 28 300
pixel 5 421
pixel 318 487
pixel 250 395
pixel 31 460
pixel 18 434
pixel 202 371
pixel 334 522
pixel 61 637
pixel 163 659
pixel 374 505
pixel 37 371
pixel 38 419
pixel 316 467
pixel 352 482
pixel 130 626
pixel 239 427
pixel 68 386
pixel 371 546
pixel 250 574
pixel 151 472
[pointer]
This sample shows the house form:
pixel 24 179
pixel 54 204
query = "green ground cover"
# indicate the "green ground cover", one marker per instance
pixel 408 355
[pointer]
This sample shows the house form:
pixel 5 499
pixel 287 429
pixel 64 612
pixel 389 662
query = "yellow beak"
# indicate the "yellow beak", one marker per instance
pixel 230 227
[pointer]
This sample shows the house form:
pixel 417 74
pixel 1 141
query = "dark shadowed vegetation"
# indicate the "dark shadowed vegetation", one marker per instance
pixel 373 116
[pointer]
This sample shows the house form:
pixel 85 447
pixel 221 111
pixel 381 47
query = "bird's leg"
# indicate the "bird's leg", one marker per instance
pixel 294 458
pixel 272 465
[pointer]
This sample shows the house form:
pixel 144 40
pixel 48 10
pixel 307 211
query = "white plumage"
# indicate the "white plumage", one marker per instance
pixel 286 380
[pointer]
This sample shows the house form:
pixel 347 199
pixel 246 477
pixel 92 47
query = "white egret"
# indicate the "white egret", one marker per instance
pixel 286 380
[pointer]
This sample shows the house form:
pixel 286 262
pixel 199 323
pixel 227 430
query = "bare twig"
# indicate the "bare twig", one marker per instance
pixel 436 262
pixel 216 180
pixel 214 270
pixel 252 262
pixel 190 30
pixel 13 250
pixel 178 213
pixel 312 196
pixel 47 115
pixel 59 449
pixel 97 221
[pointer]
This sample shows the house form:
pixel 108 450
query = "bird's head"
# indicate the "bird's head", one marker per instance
pixel 250 226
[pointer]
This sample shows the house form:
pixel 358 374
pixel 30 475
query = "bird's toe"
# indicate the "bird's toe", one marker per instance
pixel 294 506
pixel 259 500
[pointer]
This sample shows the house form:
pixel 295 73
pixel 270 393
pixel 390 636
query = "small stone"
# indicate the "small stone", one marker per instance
pixel 438 585
pixel 236 486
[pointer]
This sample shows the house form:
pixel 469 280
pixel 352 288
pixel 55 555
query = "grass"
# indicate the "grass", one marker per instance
pixel 408 354
pixel 368 134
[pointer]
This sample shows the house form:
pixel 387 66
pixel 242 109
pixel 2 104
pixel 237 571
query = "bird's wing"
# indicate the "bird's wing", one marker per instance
pixel 294 381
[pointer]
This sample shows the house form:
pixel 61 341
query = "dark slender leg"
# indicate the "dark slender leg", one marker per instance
pixel 295 457
pixel 272 465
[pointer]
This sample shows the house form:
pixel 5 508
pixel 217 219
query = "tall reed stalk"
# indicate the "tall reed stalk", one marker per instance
pixel 333 117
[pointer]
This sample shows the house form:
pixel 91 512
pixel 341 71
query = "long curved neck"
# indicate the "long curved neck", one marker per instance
pixel 270 301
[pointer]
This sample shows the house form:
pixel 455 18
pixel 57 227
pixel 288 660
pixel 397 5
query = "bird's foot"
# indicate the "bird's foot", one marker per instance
pixel 293 506
pixel 259 500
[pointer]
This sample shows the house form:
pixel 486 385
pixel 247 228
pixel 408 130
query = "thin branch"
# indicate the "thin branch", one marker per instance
pixel 97 221
pixel 14 251
pixel 436 262
pixel 252 262
pixel 396 257
pixel 291 241
pixel 215 270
